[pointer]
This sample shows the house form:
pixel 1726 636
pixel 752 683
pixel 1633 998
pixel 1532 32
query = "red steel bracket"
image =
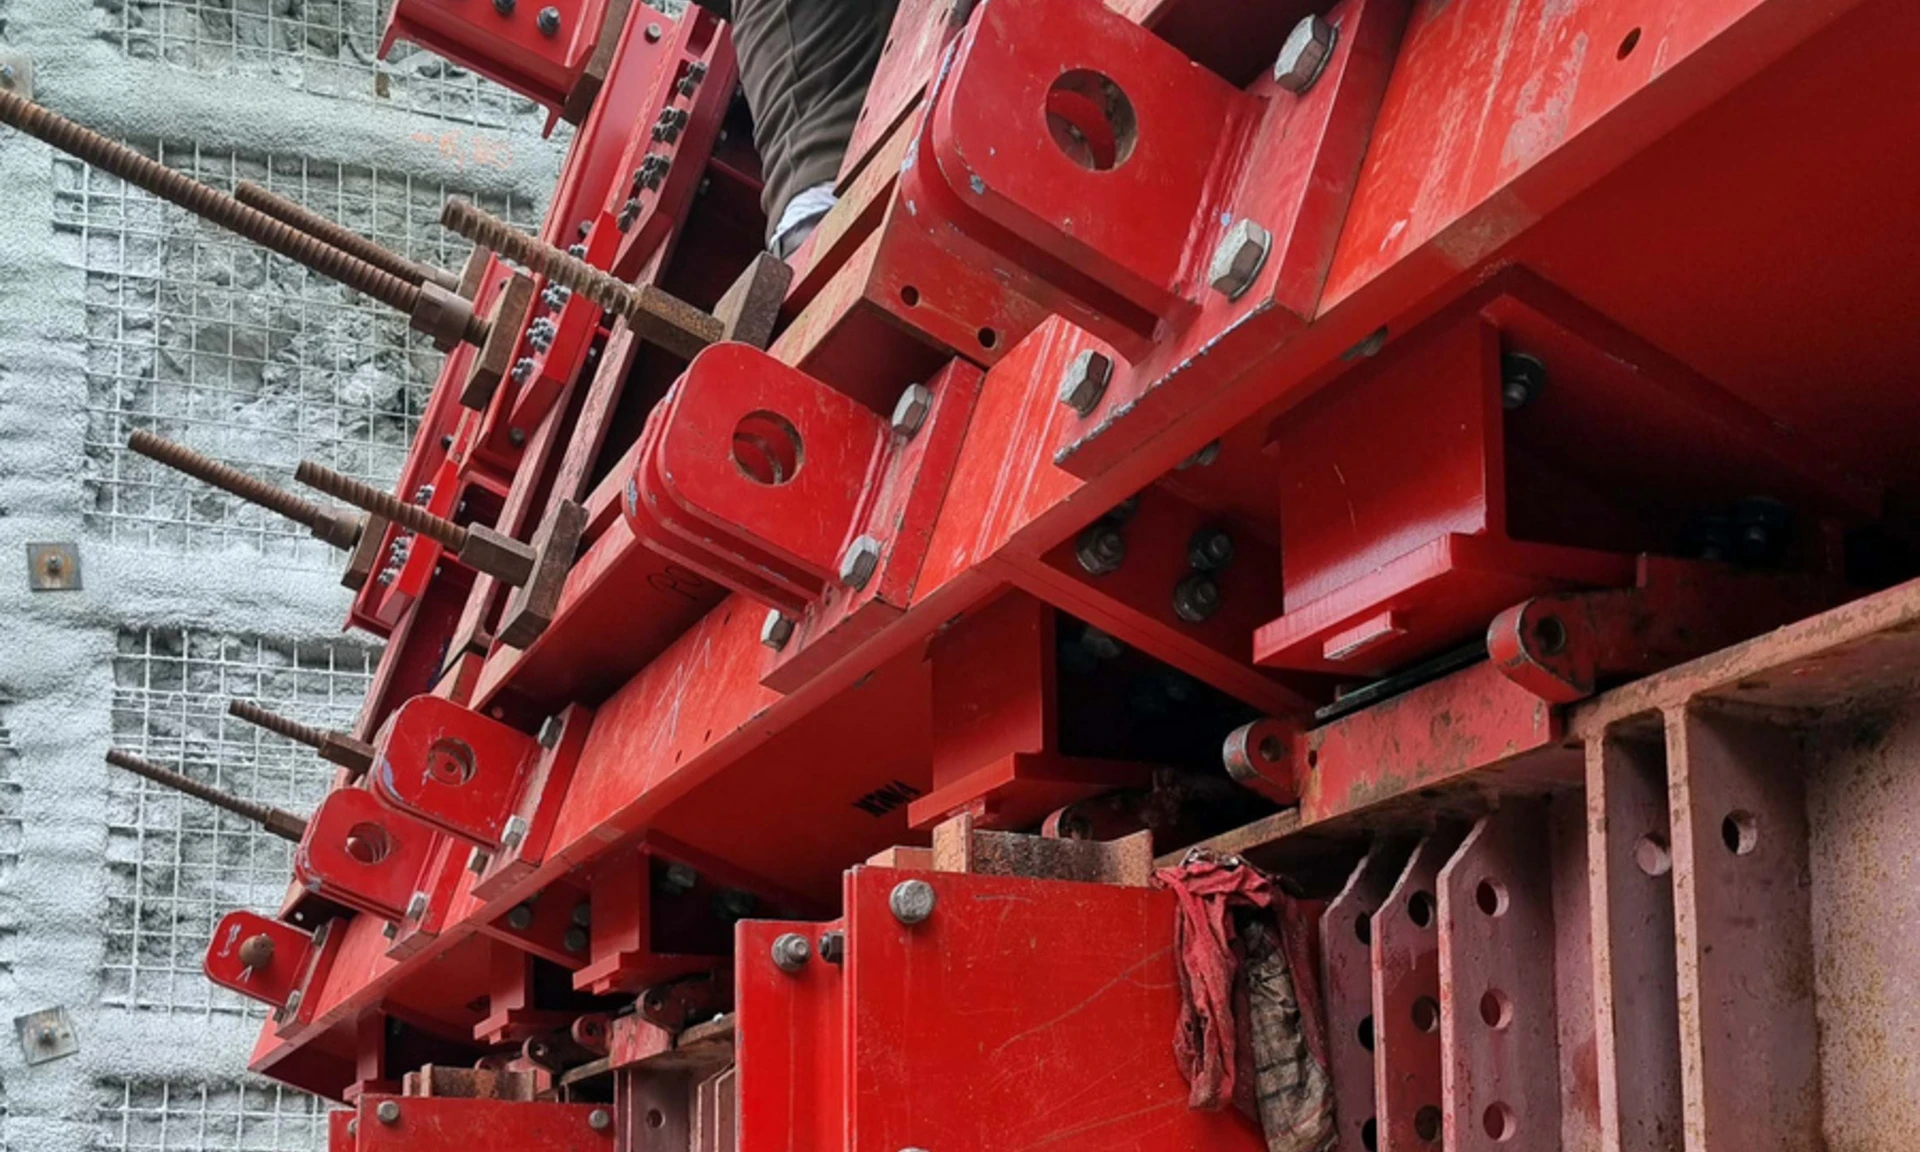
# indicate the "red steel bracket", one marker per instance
pixel 543 57
pixel 360 853
pixel 454 769
pixel 1406 1001
pixel 269 961
pixel 528 827
pixel 1346 936
pixel 462 1123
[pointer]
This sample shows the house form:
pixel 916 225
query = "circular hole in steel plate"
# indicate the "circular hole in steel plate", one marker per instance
pixel 1499 1121
pixel 1091 120
pixel 1426 1124
pixel 1496 1010
pixel 367 843
pixel 1421 909
pixel 1426 1014
pixel 1490 896
pixel 1740 832
pixel 450 762
pixel 1652 854
pixel 767 448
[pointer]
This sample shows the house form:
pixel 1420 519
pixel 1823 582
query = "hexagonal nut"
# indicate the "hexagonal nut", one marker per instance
pixel 1239 258
pixel 1085 381
pixel 791 952
pixel 861 561
pixel 497 554
pixel 1305 54
pixel 775 630
pixel 911 411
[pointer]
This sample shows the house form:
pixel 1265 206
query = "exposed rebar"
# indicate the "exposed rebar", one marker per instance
pixel 653 315
pixel 336 528
pixel 217 207
pixel 382 504
pixel 277 724
pixel 281 823
pixel 340 236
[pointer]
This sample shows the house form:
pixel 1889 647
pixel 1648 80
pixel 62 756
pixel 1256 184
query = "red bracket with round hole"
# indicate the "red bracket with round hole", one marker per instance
pixel 454 769
pixel 362 854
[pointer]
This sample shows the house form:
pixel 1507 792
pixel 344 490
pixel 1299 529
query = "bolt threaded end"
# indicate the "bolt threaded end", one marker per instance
pixel 279 725
pixel 270 818
pixel 382 504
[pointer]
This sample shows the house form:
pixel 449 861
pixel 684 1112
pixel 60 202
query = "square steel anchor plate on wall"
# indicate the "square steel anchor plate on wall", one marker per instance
pixel 46 1035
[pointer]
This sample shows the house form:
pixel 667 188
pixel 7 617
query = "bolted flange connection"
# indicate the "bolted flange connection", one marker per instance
pixel 1238 259
pixel 1305 54
pixel 861 560
pixel 775 630
pixel 911 411
pixel 1085 381
pixel 911 901
pixel 791 952
pixel 1196 598
pixel 1101 549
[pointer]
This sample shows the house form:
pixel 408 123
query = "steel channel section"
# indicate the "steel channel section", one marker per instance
pixel 626 777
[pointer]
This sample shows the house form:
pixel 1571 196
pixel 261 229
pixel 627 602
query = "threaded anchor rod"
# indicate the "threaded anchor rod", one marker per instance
pixel 281 823
pixel 277 724
pixel 653 315
pixel 325 523
pixel 382 504
pixel 340 236
pixel 216 207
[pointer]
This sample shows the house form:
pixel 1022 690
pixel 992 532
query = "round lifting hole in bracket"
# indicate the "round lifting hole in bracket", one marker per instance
pixel 767 448
pixel 450 762
pixel 1091 120
pixel 367 843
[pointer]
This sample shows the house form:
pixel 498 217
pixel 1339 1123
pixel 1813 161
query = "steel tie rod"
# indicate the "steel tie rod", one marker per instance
pixel 340 236
pixel 337 528
pixel 356 756
pixel 279 822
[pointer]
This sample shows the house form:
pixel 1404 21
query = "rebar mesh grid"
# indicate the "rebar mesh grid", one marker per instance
pixel 202 337
pixel 244 1115
pixel 176 865
pixel 327 47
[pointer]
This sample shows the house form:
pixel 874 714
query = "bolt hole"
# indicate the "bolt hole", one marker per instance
pixel 1366 1033
pixel 1740 832
pixel 1653 855
pixel 767 448
pixel 367 843
pixel 1091 120
pixel 1496 1010
pixel 1270 749
pixel 910 296
pixel 1491 897
pixel 656 1118
pixel 1363 928
pixel 1426 1124
pixel 1628 44
pixel 1420 909
pixel 1313 759
pixel 1551 635
pixel 1498 1120
pixel 450 762
pixel 1370 1135
pixel 1426 1014
pixel 988 337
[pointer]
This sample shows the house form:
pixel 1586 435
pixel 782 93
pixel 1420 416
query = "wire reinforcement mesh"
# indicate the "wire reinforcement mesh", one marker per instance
pixel 175 864
pixel 202 337
pixel 10 828
pixel 327 47
pixel 243 1115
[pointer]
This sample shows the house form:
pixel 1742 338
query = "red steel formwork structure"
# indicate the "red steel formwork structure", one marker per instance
pixel 1492 421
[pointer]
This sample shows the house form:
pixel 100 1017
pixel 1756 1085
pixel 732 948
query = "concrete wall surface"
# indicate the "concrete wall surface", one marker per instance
pixel 118 313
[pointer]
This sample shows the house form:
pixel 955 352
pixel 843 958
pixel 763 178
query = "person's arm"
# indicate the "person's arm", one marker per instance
pixel 720 8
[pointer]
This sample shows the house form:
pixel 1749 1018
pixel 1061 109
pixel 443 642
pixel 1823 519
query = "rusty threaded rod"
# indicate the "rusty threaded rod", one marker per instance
pixel 340 236
pixel 217 207
pixel 277 724
pixel 384 505
pixel 281 823
pixel 335 528
pixel 654 315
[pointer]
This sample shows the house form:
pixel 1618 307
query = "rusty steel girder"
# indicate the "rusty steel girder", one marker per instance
pixel 1440 451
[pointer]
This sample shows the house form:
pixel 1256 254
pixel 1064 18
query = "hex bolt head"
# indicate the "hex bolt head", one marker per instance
pixel 574 940
pixel 862 559
pixel 791 952
pixel 548 21
pixel 599 1119
pixel 514 832
pixel 477 860
pixel 911 901
pixel 654 33
pixel 1238 259
pixel 678 879
pixel 911 410
pixel 583 913
pixel 1101 645
pixel 1196 598
pixel 504 7
pixel 1201 459
pixel 551 729
pixel 1210 550
pixel 1085 381
pixel 1305 54
pixel 520 918
pixel 833 946
pixel 775 630
pixel 1101 549
pixel 1522 377
pixel 522 370
pixel 417 907
pixel 387 1112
